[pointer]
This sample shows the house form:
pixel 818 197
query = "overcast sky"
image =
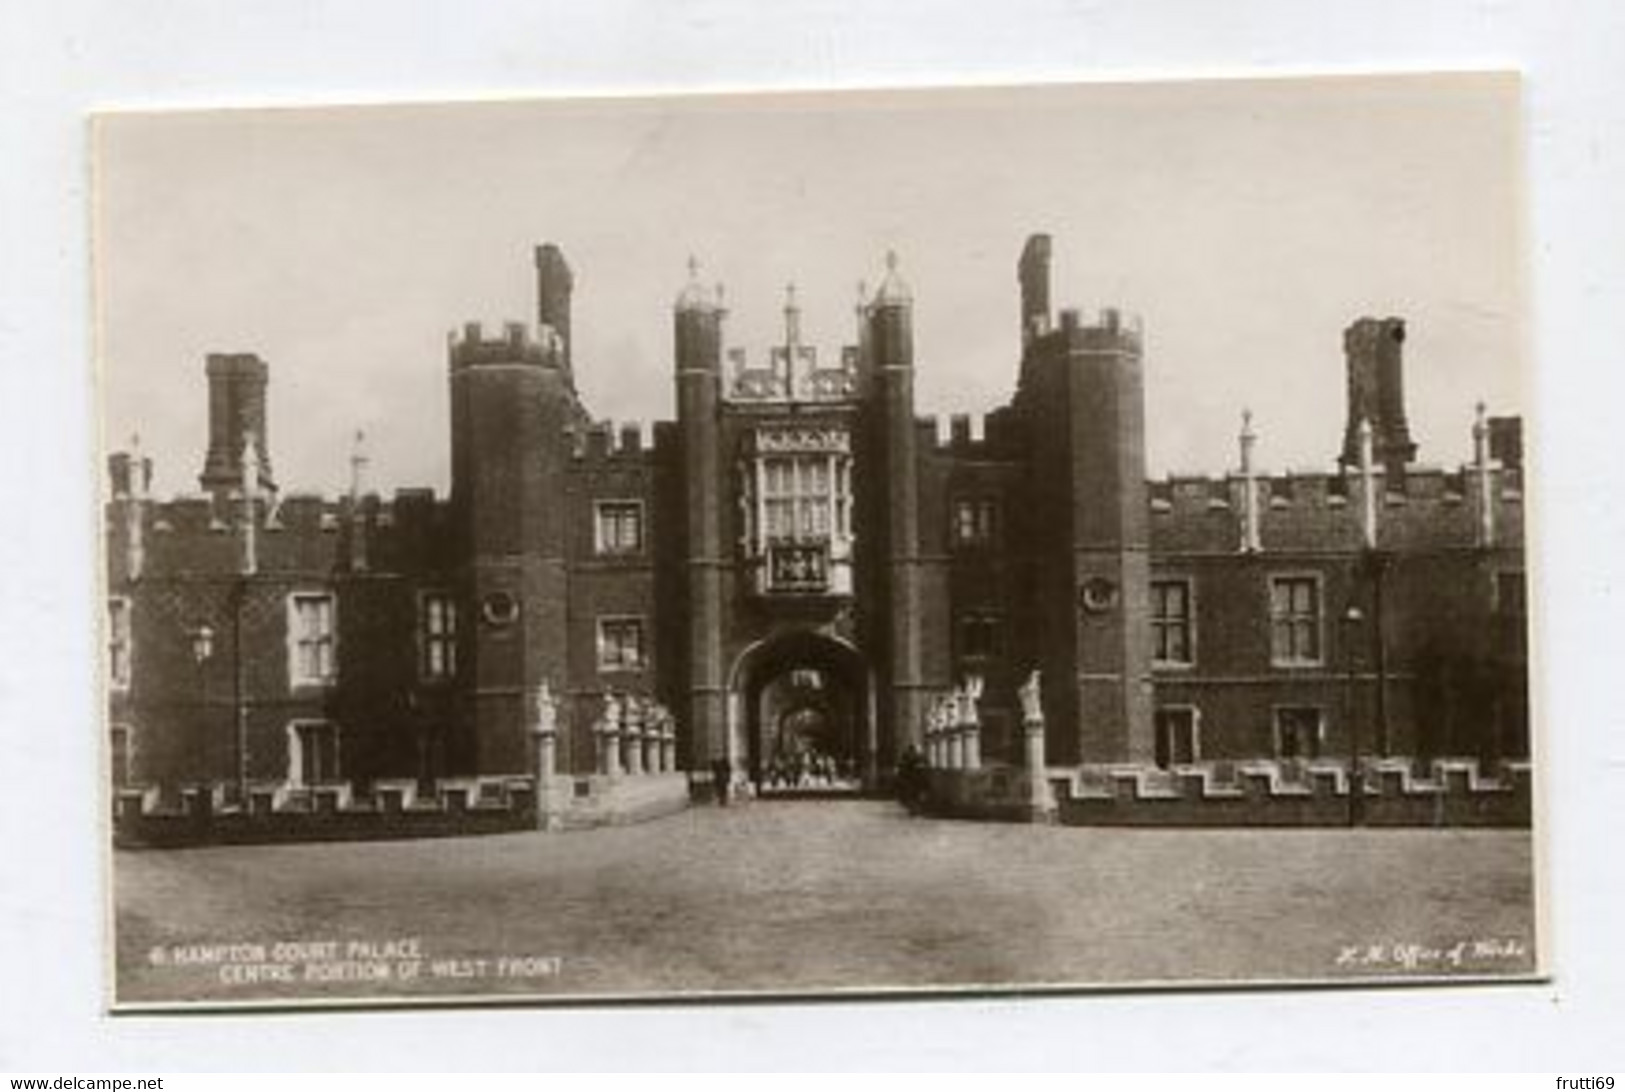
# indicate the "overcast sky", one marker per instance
pixel 1246 222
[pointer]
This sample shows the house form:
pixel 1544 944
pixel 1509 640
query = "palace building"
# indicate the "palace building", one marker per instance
pixel 801 565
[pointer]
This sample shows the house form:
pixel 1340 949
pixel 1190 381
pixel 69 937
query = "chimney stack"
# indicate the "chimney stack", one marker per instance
pixel 1376 393
pixel 237 384
pixel 1032 270
pixel 554 285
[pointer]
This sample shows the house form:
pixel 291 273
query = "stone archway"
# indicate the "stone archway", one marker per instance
pixel 803 702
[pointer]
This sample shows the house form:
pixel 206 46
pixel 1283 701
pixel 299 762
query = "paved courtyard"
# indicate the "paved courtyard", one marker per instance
pixel 787 896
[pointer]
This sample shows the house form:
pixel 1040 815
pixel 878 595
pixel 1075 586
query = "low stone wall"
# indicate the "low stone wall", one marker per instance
pixel 1452 793
pixel 200 815
pixel 322 813
pixel 577 803
pixel 996 793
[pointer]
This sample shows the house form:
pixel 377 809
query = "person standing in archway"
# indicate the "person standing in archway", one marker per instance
pixel 911 782
pixel 721 775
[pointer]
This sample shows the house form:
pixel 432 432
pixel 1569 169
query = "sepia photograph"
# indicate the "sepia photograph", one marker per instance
pixel 963 540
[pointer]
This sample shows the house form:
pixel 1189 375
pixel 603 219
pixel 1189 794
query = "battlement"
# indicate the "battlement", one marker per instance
pixel 198 513
pixel 1425 508
pixel 624 441
pixel 964 434
pixel 280 812
pixel 295 533
pixel 792 374
pixel 518 343
pixel 1187 494
pixel 1112 331
pixel 1450 792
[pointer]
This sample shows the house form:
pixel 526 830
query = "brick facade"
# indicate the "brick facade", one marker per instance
pixel 799 540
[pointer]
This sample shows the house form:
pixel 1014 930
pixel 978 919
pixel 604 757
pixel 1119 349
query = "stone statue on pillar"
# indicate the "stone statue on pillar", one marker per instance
pixel 609 735
pixel 972 690
pixel 970 748
pixel 1041 799
pixel 1032 705
pixel 632 734
pixel 545 710
pixel 544 726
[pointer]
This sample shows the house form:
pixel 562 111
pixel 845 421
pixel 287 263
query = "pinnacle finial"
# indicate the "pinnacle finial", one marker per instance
pixel 693 296
pixel 893 289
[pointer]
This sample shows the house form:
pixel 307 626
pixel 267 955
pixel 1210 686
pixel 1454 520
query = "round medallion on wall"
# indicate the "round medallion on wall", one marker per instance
pixel 1098 595
pixel 498 608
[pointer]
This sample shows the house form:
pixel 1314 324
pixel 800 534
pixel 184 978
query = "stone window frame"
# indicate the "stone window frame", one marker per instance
pixel 427 640
pixel 602 645
pixel 1276 725
pixel 985 523
pixel 296 751
pixel 298 681
pixel 1297 576
pixel 964 620
pixel 1159 622
pixel 120 636
pixel 601 544
pixel 1195 713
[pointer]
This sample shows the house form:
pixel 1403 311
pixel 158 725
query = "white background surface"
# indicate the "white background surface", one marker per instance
pixel 60 60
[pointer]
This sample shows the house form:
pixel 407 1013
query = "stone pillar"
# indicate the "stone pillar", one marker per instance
pixel 632 736
pixel 1036 761
pixel 609 738
pixel 951 741
pixel 546 758
pixel 651 746
pixel 546 768
pixel 973 747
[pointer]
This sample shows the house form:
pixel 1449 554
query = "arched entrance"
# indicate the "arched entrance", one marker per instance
pixel 804 708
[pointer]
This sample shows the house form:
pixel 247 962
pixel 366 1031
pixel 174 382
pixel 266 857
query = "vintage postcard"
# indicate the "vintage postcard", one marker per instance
pixel 1026 538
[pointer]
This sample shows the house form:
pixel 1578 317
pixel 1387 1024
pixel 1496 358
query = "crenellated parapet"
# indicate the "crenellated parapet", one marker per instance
pixel 1422 508
pixel 516 343
pixel 617 442
pixel 1451 792
pixel 294 532
pixel 1112 330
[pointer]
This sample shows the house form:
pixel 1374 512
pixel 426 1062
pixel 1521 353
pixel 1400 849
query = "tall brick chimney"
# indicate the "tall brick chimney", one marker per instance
pixel 554 284
pixel 236 410
pixel 1032 270
pixel 1376 393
